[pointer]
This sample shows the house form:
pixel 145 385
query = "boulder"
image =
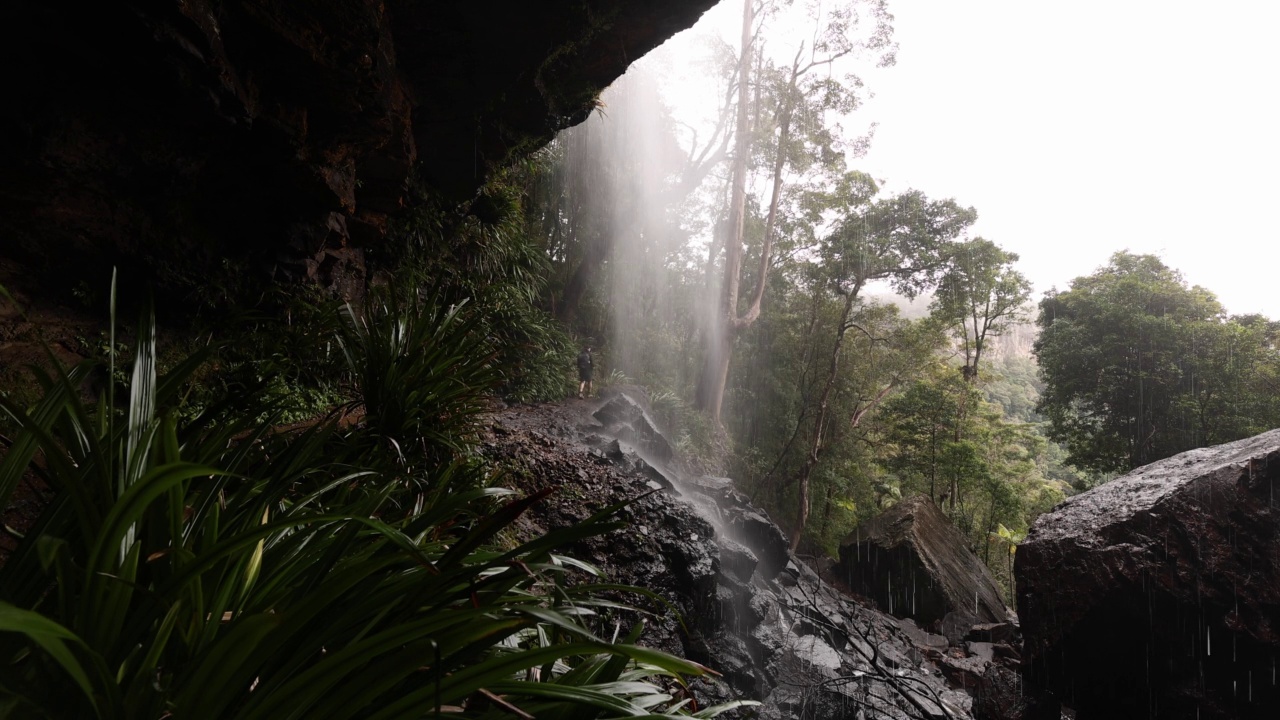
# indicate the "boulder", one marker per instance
pixel 1158 594
pixel 754 529
pixel 923 640
pixel 999 695
pixel 720 489
pixel 914 563
pixel 956 626
pixel 736 559
pixel 626 418
pixel 993 633
pixel 658 479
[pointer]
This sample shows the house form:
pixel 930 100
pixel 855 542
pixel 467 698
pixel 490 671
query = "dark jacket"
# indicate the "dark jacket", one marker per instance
pixel 585 364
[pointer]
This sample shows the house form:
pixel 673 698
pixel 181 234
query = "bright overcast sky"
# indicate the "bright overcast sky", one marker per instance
pixel 1080 128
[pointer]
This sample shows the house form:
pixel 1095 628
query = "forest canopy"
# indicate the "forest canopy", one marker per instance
pixel 1139 366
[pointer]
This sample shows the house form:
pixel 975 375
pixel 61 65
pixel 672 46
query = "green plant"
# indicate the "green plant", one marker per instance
pixel 212 567
pixel 1013 539
pixel 422 371
pixel 616 377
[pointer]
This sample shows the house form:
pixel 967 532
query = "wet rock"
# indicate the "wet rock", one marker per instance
pixel 718 488
pixel 921 638
pixel 982 650
pixel 993 633
pixel 691 556
pixel 719 493
pixel 1007 652
pixel 733 661
pixel 659 479
pixel 620 409
pixel 750 610
pixel 737 559
pixel 963 670
pixel 999 695
pixel 815 651
pixel 765 539
pixel 956 626
pixel 625 416
pixel 610 449
pixel 738 614
pixel 914 563
pixel 1158 594
pixel 786 579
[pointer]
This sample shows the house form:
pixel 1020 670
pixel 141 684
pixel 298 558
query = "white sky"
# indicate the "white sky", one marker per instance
pixel 1080 128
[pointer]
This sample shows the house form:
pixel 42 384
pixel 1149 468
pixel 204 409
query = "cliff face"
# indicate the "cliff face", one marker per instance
pixel 185 134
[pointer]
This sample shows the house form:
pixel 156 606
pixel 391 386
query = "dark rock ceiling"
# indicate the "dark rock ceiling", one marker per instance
pixel 181 133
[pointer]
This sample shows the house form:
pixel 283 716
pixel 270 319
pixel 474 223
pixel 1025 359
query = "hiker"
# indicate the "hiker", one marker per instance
pixel 585 366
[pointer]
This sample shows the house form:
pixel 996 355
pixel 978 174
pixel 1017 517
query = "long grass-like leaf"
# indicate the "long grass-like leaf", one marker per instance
pixel 53 639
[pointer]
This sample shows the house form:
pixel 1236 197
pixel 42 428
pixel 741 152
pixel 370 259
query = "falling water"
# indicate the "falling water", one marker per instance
pixel 629 150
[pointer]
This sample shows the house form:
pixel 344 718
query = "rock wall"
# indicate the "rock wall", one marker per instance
pixel 1158 594
pixel 184 134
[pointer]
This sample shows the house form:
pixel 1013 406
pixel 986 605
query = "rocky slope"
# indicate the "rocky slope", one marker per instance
pixel 775 630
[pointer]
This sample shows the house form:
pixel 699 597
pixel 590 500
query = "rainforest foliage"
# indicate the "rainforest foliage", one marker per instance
pixel 294 519
pixel 838 347
pixel 1140 366
pixel 213 562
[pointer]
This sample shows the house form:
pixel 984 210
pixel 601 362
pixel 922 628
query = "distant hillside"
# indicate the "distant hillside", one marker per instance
pixel 1016 343
pixel 910 309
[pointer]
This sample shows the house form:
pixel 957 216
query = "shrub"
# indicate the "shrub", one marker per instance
pixel 214 567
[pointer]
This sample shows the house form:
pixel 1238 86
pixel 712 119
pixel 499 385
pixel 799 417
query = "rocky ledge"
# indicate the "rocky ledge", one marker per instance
pixel 180 136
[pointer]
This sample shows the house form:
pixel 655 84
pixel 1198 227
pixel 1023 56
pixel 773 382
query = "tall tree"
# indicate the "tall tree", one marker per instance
pixel 941 439
pixel 921 426
pixel 1138 366
pixel 792 129
pixel 981 296
pixel 901 240
pixel 727 322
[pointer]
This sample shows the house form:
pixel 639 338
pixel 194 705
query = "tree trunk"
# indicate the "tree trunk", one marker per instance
pixel 991 526
pixel 815 447
pixel 933 462
pixel 779 164
pixel 715 372
pixel 979 334
pixel 720 336
pixel 962 414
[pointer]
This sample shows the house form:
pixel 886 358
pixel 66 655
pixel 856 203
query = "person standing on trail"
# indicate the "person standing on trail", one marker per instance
pixel 585 366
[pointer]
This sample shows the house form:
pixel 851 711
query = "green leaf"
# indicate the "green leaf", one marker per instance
pixel 52 638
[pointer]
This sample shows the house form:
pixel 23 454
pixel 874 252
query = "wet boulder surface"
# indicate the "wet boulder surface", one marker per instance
pixel 1158 594
pixel 913 562
pixel 744 606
